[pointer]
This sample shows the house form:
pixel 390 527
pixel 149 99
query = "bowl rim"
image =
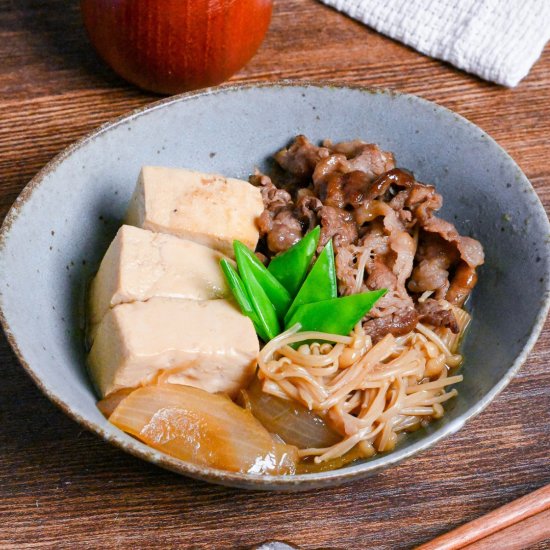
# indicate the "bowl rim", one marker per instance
pixel 254 481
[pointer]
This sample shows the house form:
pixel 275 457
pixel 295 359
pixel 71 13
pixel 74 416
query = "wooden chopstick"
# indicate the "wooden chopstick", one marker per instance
pixel 535 506
pixel 518 536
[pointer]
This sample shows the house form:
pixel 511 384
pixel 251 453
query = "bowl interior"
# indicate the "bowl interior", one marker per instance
pixel 60 227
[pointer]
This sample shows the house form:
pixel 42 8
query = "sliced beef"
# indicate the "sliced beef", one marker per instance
pixel 430 275
pixel 285 230
pixel 371 251
pixel 380 276
pixel 416 204
pixel 433 261
pixel 389 269
pixel 308 207
pixel 399 323
pixel 371 160
pixel 413 201
pixel 355 186
pixel 375 240
pixel 353 189
pixel 348 181
pixel 438 314
pixel 274 198
pixel 443 251
pixel 403 247
pixel 393 302
pixel 345 190
pixel 327 167
pixel 390 250
pixel 346 268
pixel 301 157
pixel 462 283
pixel 470 255
pixel 348 148
pixel 396 177
pixel 383 225
pixel 368 154
pixel 470 250
pixel 278 222
pixel 423 201
pixel 337 224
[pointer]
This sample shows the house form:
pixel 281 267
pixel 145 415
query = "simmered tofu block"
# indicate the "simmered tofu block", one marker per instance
pixel 140 264
pixel 206 208
pixel 206 344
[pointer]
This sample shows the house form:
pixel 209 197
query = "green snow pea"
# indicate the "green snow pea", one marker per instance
pixel 262 305
pixel 290 267
pixel 276 292
pixel 337 315
pixel 320 284
pixel 238 289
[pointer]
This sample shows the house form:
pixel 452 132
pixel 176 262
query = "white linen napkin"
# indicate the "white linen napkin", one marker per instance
pixel 498 40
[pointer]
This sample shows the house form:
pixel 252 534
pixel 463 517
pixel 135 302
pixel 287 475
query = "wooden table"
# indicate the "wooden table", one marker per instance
pixel 61 487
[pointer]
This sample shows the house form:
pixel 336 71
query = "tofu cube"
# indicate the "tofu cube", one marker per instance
pixel 206 208
pixel 140 265
pixel 206 344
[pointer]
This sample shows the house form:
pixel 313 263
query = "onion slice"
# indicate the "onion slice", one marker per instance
pixel 291 421
pixel 202 428
pixel 108 404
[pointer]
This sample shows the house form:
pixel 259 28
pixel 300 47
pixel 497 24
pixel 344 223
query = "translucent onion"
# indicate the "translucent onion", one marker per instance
pixel 110 403
pixel 202 428
pixel 289 420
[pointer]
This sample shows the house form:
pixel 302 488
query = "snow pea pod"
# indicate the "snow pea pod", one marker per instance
pixel 238 289
pixel 275 291
pixel 264 309
pixel 290 267
pixel 337 315
pixel 320 284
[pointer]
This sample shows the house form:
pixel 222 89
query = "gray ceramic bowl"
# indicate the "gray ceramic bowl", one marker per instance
pixel 58 229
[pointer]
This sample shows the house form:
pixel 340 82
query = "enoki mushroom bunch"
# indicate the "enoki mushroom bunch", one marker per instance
pixel 367 393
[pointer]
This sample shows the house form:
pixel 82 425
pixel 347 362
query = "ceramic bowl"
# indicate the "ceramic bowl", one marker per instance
pixel 56 233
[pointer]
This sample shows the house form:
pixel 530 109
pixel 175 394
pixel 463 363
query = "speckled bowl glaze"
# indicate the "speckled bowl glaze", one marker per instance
pixel 59 228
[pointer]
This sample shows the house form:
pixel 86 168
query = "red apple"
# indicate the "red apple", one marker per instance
pixel 170 46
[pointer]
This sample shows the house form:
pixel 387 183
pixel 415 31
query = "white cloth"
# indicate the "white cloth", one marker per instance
pixel 498 40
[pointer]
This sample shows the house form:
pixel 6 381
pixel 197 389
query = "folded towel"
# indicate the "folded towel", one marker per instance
pixel 498 40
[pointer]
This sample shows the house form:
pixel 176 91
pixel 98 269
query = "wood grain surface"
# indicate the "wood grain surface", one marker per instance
pixel 61 487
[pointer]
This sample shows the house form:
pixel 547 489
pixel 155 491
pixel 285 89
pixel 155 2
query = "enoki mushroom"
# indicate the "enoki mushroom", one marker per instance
pixel 368 393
